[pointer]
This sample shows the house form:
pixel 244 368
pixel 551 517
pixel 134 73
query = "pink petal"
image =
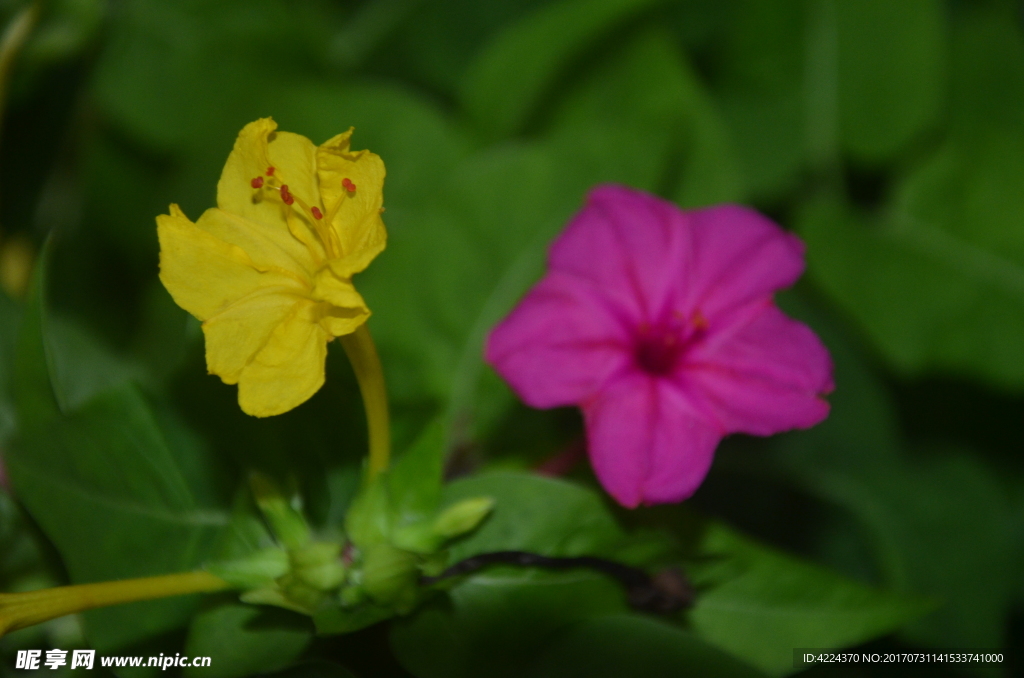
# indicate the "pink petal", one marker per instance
pixel 559 345
pixel 764 375
pixel 735 256
pixel 647 442
pixel 629 245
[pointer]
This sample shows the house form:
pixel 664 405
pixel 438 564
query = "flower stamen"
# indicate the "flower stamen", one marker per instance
pixel 257 182
pixel 286 195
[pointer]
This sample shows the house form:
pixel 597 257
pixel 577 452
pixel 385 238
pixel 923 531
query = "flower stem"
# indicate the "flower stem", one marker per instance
pixel 19 610
pixel 363 355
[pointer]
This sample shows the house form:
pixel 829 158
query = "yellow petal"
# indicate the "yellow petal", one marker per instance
pixel 357 222
pixel 235 335
pixel 257 148
pixel 344 309
pixel 249 159
pixel 268 247
pixel 290 367
pixel 203 273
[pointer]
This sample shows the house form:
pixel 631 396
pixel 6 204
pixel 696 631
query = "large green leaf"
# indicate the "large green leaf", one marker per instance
pixel 938 284
pixel 496 622
pixel 937 279
pixel 635 111
pixel 537 514
pixel 936 522
pixel 760 88
pixel 761 604
pixel 612 646
pixel 510 77
pixel 245 639
pixel 755 603
pixel 118 490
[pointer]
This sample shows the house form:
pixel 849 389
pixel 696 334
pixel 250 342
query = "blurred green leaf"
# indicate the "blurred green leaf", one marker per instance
pixel 937 523
pixel 495 622
pixel 760 89
pixel 891 68
pixel 245 639
pixel 66 27
pixel 938 283
pixel 498 622
pixel 458 263
pixel 635 111
pixel 986 71
pixel 612 646
pixel 10 318
pixel 512 74
pixel 315 669
pixel 187 73
pixel 414 481
pixel 759 604
pixel 118 496
pixel 536 514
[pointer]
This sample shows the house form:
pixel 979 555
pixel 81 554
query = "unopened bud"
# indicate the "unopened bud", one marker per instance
pixel 462 517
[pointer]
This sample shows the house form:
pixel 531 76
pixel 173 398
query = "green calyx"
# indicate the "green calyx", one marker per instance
pixel 396 532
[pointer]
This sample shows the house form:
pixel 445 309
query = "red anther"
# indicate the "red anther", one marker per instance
pixel 270 171
pixel 347 184
pixel 317 214
pixel 286 195
pixel 257 182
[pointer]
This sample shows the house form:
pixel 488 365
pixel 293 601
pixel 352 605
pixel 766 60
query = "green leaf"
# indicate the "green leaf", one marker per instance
pixel 244 640
pixel 936 522
pixel 761 92
pixel 949 504
pixel 497 622
pixel 118 494
pixel 891 67
pixel 414 481
pixel 510 77
pixel 613 646
pixel 10 319
pixel 536 514
pixel 759 604
pixel 938 284
pixel 315 669
pixel 459 263
pixel 635 110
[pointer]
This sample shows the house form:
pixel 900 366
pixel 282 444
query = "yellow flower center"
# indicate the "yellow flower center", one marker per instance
pixel 320 226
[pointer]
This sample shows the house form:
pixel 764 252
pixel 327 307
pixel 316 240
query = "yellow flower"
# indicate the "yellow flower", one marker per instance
pixel 269 270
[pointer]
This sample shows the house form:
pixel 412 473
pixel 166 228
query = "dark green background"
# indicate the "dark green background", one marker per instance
pixel 889 134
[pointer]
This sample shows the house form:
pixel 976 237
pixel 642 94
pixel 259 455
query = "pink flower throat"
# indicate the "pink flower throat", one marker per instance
pixel 658 349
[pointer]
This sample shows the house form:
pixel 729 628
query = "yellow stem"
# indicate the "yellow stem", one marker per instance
pixel 363 355
pixel 18 610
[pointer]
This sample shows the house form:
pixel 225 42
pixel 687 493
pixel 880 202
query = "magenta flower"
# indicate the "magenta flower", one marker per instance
pixel 660 324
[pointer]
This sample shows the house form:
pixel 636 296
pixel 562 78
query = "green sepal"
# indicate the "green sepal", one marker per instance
pixel 286 522
pixel 319 565
pixel 256 570
pixel 391 576
pixel 366 522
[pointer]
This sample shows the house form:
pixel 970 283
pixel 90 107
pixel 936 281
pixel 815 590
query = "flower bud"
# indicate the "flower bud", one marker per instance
pixel 462 517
